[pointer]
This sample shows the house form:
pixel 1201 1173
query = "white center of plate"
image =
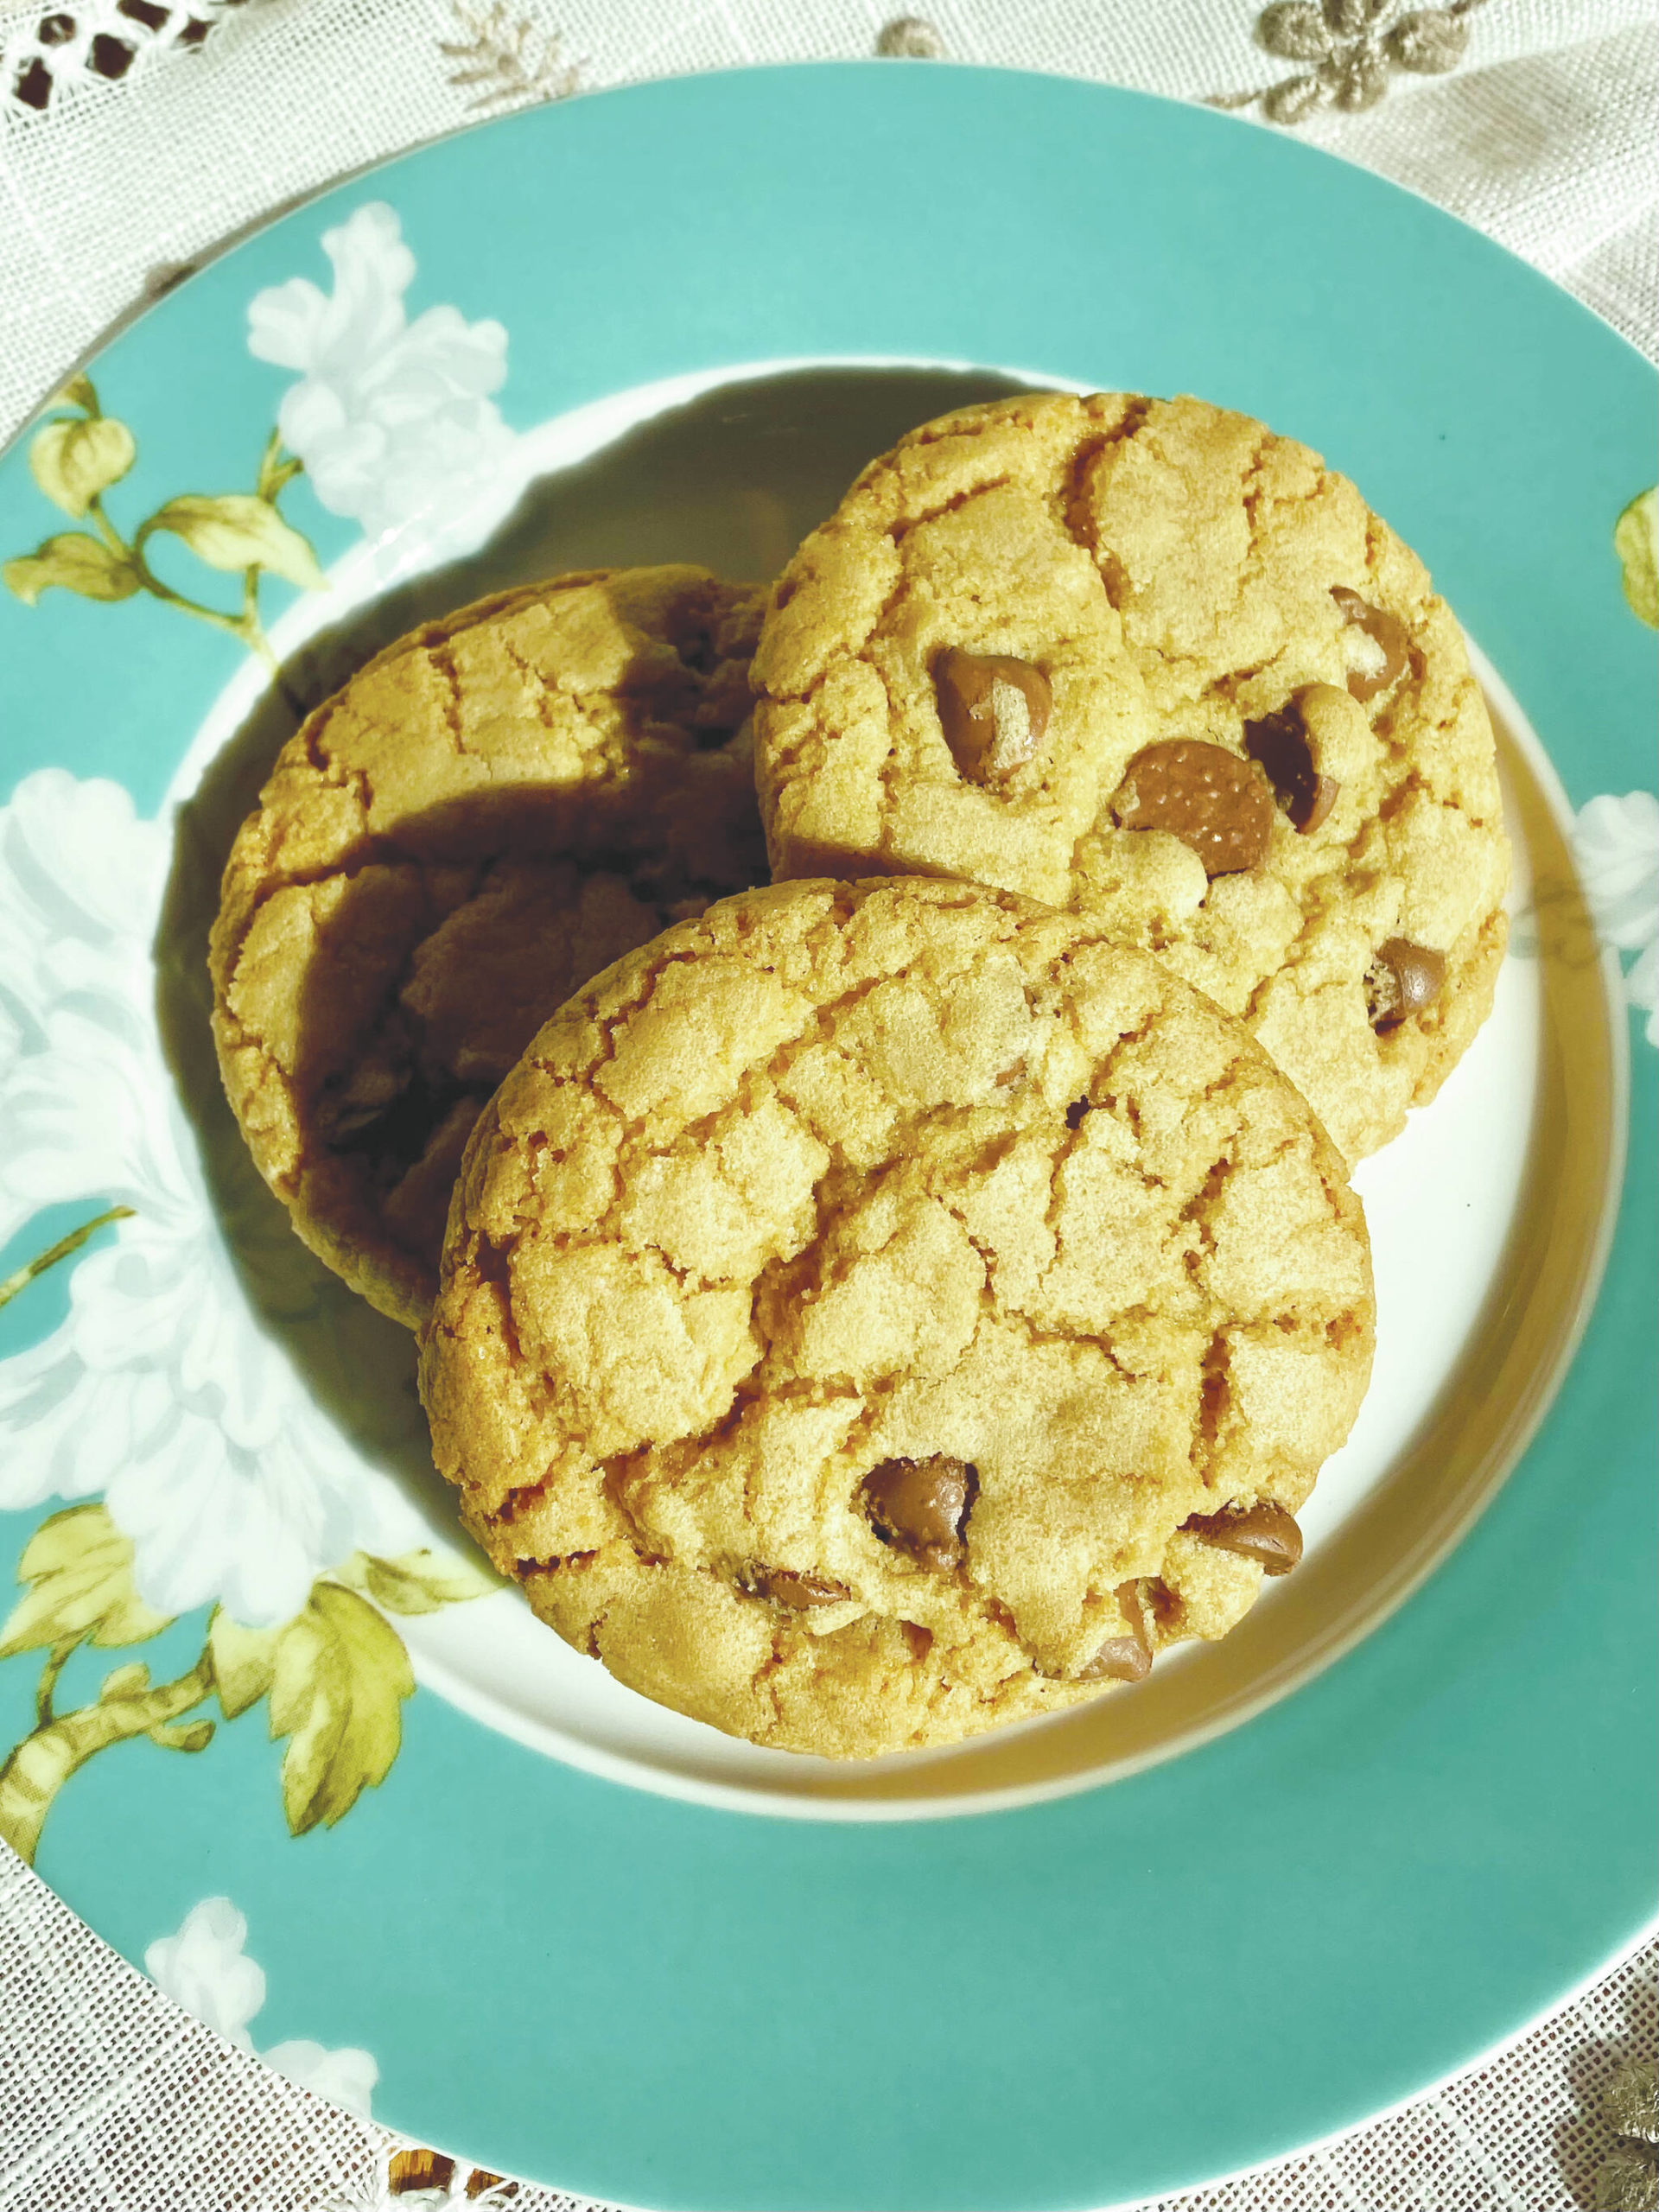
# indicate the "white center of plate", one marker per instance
pixel 1488 1217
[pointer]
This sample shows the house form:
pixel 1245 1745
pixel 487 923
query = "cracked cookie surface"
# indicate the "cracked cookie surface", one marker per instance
pixel 1166 572
pixel 856 1300
pixel 495 808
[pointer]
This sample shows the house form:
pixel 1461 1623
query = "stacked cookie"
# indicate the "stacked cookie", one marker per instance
pixel 907 1297
pixel 493 809
pixel 1145 656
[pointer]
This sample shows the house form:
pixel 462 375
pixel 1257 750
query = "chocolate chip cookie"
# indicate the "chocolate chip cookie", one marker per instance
pixel 494 808
pixel 1146 656
pixel 873 1313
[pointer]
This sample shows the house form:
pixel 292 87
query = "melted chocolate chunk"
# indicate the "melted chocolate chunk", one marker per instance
pixel 1263 1532
pixel 993 710
pixel 1286 752
pixel 1122 1658
pixel 1402 979
pixel 783 1586
pixel 1207 797
pixel 919 1506
pixel 1386 631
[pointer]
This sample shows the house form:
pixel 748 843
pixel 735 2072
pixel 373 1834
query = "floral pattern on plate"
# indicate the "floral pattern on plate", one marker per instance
pixel 1616 844
pixel 199 1468
pixel 205 1967
pixel 169 1393
pixel 390 419
pixel 168 1389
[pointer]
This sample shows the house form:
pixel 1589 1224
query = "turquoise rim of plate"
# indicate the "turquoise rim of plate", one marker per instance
pixel 1208 1964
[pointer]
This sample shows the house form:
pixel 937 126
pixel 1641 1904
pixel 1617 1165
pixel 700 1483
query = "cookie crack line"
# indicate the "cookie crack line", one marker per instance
pixel 339 775
pixel 688 953
pixel 847 651
pixel 1251 488
pixel 900 530
pixel 443 657
pixel 1073 515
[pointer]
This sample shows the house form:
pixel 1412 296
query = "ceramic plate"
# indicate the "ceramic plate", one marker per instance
pixel 273 1735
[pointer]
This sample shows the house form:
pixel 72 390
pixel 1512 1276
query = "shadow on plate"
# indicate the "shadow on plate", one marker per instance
pixel 731 480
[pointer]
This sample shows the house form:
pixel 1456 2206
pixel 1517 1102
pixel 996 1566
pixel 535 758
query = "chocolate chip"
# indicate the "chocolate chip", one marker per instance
pixel 919 1506
pixel 1263 1532
pixel 1385 630
pixel 993 710
pixel 1402 979
pixel 783 1586
pixel 1122 1658
pixel 1281 743
pixel 1203 794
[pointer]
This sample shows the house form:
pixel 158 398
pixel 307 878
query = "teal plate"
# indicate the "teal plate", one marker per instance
pixel 1109 1966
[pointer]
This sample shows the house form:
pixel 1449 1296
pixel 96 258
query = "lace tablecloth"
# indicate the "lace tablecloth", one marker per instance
pixel 1536 119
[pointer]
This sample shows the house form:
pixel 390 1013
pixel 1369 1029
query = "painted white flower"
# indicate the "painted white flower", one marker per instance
pixel 65 929
pixel 1616 844
pixel 346 2077
pixel 390 417
pixel 205 1968
pixel 167 1388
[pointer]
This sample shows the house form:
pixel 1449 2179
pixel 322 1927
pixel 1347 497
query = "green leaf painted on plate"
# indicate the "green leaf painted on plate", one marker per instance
pixel 238 529
pixel 181 1735
pixel 73 462
pixel 245 1661
pixel 127 1707
pixel 339 1678
pixel 79 1567
pixel 73 562
pixel 80 391
pixel 1635 541
pixel 418 1582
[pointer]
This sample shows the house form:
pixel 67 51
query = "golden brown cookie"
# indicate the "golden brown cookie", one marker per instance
pixel 1145 656
pixel 871 1313
pixel 493 809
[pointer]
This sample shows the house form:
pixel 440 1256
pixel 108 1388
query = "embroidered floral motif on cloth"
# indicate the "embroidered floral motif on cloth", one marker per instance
pixel 1356 47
